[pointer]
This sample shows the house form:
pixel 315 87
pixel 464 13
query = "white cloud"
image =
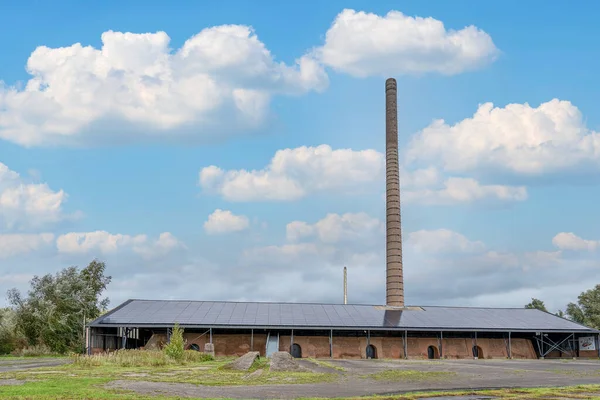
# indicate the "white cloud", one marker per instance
pixel 570 241
pixel 336 228
pixel 165 244
pixel 442 241
pixel 220 80
pixel 16 244
pixel 419 178
pixel 106 243
pixel 517 138
pixel 294 173
pixel 224 221
pixel 24 204
pixel 364 44
pixel 466 190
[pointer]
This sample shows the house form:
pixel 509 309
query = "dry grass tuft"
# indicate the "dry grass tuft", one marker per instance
pixel 139 358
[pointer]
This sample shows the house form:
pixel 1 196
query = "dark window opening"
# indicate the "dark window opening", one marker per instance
pixel 477 352
pixel 371 351
pixel 433 353
pixel 296 351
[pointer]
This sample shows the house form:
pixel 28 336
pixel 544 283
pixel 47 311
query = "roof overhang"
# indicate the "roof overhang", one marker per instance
pixel 341 328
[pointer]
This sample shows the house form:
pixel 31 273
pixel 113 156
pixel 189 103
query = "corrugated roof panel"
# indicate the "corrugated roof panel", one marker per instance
pixel 253 314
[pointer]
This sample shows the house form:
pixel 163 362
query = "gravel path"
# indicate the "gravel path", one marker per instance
pixel 468 374
pixel 18 364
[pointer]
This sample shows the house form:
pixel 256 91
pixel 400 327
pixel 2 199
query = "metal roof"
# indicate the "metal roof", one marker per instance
pixel 164 313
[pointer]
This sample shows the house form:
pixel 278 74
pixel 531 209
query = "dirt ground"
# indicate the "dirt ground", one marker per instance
pixel 463 374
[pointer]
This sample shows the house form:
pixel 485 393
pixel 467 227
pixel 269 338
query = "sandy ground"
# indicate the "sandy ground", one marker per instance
pixel 468 374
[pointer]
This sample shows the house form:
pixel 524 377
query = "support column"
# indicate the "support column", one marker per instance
pixel 124 339
pixel 331 343
pixel 509 346
pixel 87 341
pixel 441 345
pixel 251 339
pixel 542 346
pixel 405 342
pixel 476 355
pixel 209 348
pixel 291 341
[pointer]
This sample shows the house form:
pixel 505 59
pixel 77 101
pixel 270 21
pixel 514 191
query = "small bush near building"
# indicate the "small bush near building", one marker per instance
pixel 176 347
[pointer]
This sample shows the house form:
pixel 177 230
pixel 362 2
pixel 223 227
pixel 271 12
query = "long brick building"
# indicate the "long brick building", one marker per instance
pixel 343 331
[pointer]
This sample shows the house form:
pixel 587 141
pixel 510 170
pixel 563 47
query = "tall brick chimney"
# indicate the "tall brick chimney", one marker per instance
pixel 394 293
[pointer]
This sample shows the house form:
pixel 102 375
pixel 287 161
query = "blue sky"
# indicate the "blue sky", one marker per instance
pixel 519 219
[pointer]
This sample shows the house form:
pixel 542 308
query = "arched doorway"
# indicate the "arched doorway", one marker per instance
pixel 433 353
pixel 296 351
pixel 194 346
pixel 477 352
pixel 371 351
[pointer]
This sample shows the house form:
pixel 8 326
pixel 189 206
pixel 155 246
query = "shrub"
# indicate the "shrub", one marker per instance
pixel 34 351
pixel 175 349
pixel 196 356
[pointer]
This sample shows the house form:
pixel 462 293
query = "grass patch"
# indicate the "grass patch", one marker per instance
pixel 326 364
pixel 407 374
pixel 139 358
pixel 260 363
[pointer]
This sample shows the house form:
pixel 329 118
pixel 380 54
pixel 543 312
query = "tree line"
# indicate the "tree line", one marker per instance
pixel 585 311
pixel 51 317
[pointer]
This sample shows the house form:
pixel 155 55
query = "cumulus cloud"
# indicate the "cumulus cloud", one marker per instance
pixel 466 190
pixel 518 138
pixel 18 244
pixel 294 173
pixel 163 245
pixel 224 221
pixel 137 83
pixel 570 241
pixel 103 242
pixel 442 241
pixel 441 267
pixel 26 205
pixel 365 44
pixel 336 228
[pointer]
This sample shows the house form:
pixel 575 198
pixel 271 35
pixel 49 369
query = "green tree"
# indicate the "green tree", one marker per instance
pixel 536 304
pixel 55 308
pixel 10 339
pixel 587 309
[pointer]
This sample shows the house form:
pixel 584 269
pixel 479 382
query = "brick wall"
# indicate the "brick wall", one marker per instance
pixel 355 347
